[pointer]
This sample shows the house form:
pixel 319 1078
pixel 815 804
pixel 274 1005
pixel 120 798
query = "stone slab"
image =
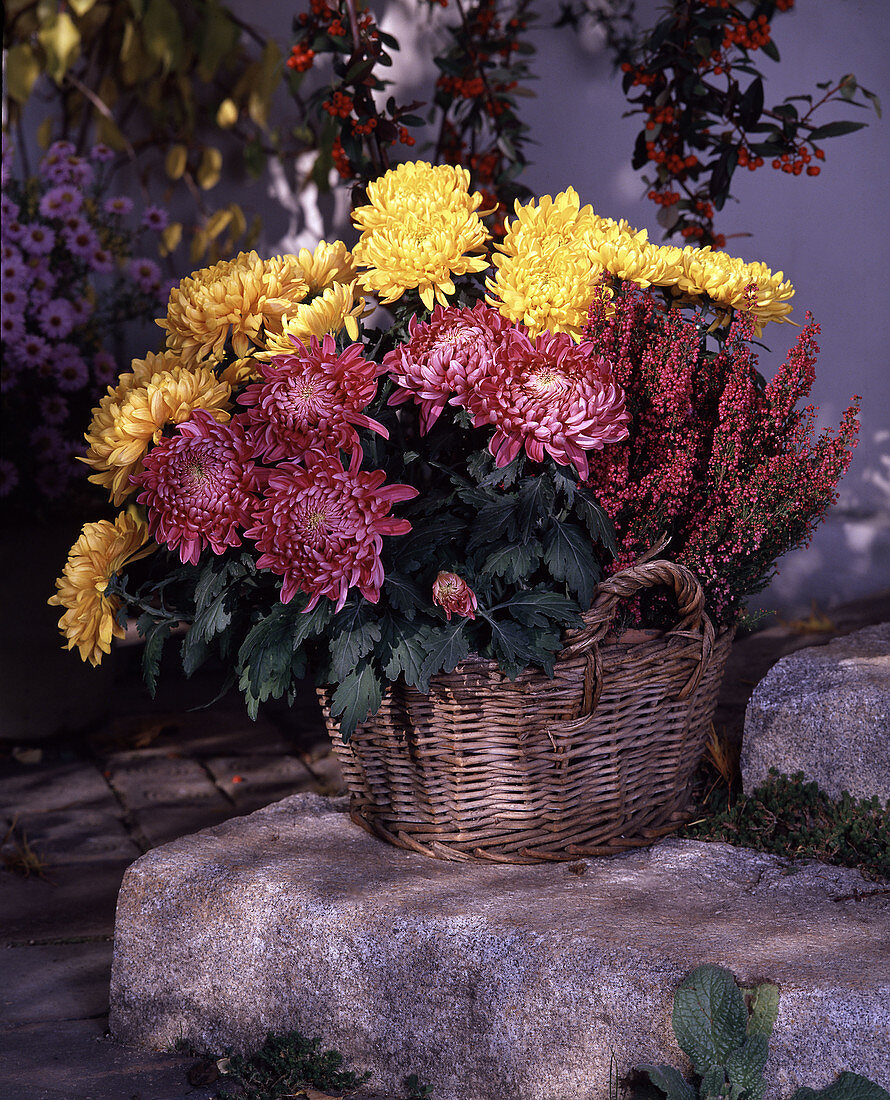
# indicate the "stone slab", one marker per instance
pixel 64 837
pixel 38 788
pixel 489 981
pixel 825 712
pixel 73 1060
pixel 64 981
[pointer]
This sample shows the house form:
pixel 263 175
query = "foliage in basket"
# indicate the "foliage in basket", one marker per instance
pixel 369 504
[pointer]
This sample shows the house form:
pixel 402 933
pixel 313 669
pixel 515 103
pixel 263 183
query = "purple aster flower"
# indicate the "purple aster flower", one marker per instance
pixel 56 318
pixel 13 230
pixel 59 150
pixel 9 210
pixel 47 442
pixel 33 351
pixel 13 299
pixel 81 309
pixel 61 201
pixel 118 204
pixel 54 409
pixel 43 283
pixel 101 153
pixel 38 239
pixel 155 218
pixel 146 274
pixel 100 259
pixel 81 173
pixel 81 239
pixel 9 251
pixel 70 369
pixel 12 327
pixel 9 477
pixel 13 269
pixel 105 368
pixel 52 480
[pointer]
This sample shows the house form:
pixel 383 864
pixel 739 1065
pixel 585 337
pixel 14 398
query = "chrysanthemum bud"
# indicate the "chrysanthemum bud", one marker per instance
pixel 454 596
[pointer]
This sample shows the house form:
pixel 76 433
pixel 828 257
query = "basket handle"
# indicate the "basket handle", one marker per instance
pixel 645 574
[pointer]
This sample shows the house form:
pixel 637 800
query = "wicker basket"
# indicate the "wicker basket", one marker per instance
pixel 592 762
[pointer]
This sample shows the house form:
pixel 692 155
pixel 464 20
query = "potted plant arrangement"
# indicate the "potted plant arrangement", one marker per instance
pixel 455 520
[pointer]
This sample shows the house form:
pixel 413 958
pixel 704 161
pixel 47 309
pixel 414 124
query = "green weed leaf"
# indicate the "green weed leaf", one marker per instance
pixel 709 1018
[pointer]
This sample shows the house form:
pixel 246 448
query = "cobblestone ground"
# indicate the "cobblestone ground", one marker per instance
pixel 75 811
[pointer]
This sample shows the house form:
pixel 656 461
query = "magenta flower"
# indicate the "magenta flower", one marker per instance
pixel 309 397
pixel 199 486
pixel 454 596
pixel 320 527
pixel 444 358
pixel 552 396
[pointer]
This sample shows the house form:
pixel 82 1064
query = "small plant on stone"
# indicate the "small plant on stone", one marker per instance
pixel 790 817
pixel 416 1089
pixel 724 1030
pixel 284 1066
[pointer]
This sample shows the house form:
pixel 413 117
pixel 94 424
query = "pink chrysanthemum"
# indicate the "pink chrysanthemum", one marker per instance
pixel 454 596
pixel 444 358
pixel 199 486
pixel 320 527
pixel 309 397
pixel 551 395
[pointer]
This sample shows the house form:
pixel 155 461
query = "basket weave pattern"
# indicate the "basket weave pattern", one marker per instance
pixel 596 760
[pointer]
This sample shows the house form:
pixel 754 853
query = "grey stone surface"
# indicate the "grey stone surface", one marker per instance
pixel 825 712
pixel 61 981
pixel 53 786
pixel 494 982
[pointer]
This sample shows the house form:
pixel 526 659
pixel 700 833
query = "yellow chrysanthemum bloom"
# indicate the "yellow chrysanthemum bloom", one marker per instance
pixel 125 424
pixel 329 263
pixel 417 231
pixel 547 275
pixel 241 371
pixel 726 281
pixel 234 298
pixel 628 253
pixel 334 308
pixel 103 549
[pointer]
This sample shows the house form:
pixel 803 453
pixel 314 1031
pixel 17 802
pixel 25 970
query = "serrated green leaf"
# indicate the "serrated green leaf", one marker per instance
pixel 596 520
pixel 495 519
pixel 404 594
pixel 352 635
pixel 568 556
pixel 357 696
pixel 151 654
pixel 511 647
pixel 409 643
pixel 670 1081
pixel 712 1083
pixel 448 647
pixel 709 1017
pixel 541 606
pixel 514 562
pixel 266 658
pixel 536 496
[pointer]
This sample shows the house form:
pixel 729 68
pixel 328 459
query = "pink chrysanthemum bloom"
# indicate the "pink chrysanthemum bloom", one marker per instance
pixel 310 396
pixel 444 358
pixel 321 527
pixel 454 596
pixel 551 395
pixel 199 486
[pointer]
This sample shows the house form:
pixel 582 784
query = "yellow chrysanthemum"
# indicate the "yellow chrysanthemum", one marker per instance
pixel 334 308
pixel 628 253
pixel 232 298
pixel 241 371
pixel 726 281
pixel 125 424
pixel 103 549
pixel 329 263
pixel 547 275
pixel 417 231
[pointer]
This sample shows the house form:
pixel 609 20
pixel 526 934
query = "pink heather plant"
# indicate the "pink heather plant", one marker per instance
pixel 200 486
pixel 320 527
pixel 311 396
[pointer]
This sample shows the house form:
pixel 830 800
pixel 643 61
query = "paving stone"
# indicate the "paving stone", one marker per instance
pixel 72 901
pixel 72 1060
pixel 147 782
pixel 825 712
pixel 489 981
pixel 77 836
pixel 67 981
pixel 255 781
pixel 51 786
pixel 161 824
